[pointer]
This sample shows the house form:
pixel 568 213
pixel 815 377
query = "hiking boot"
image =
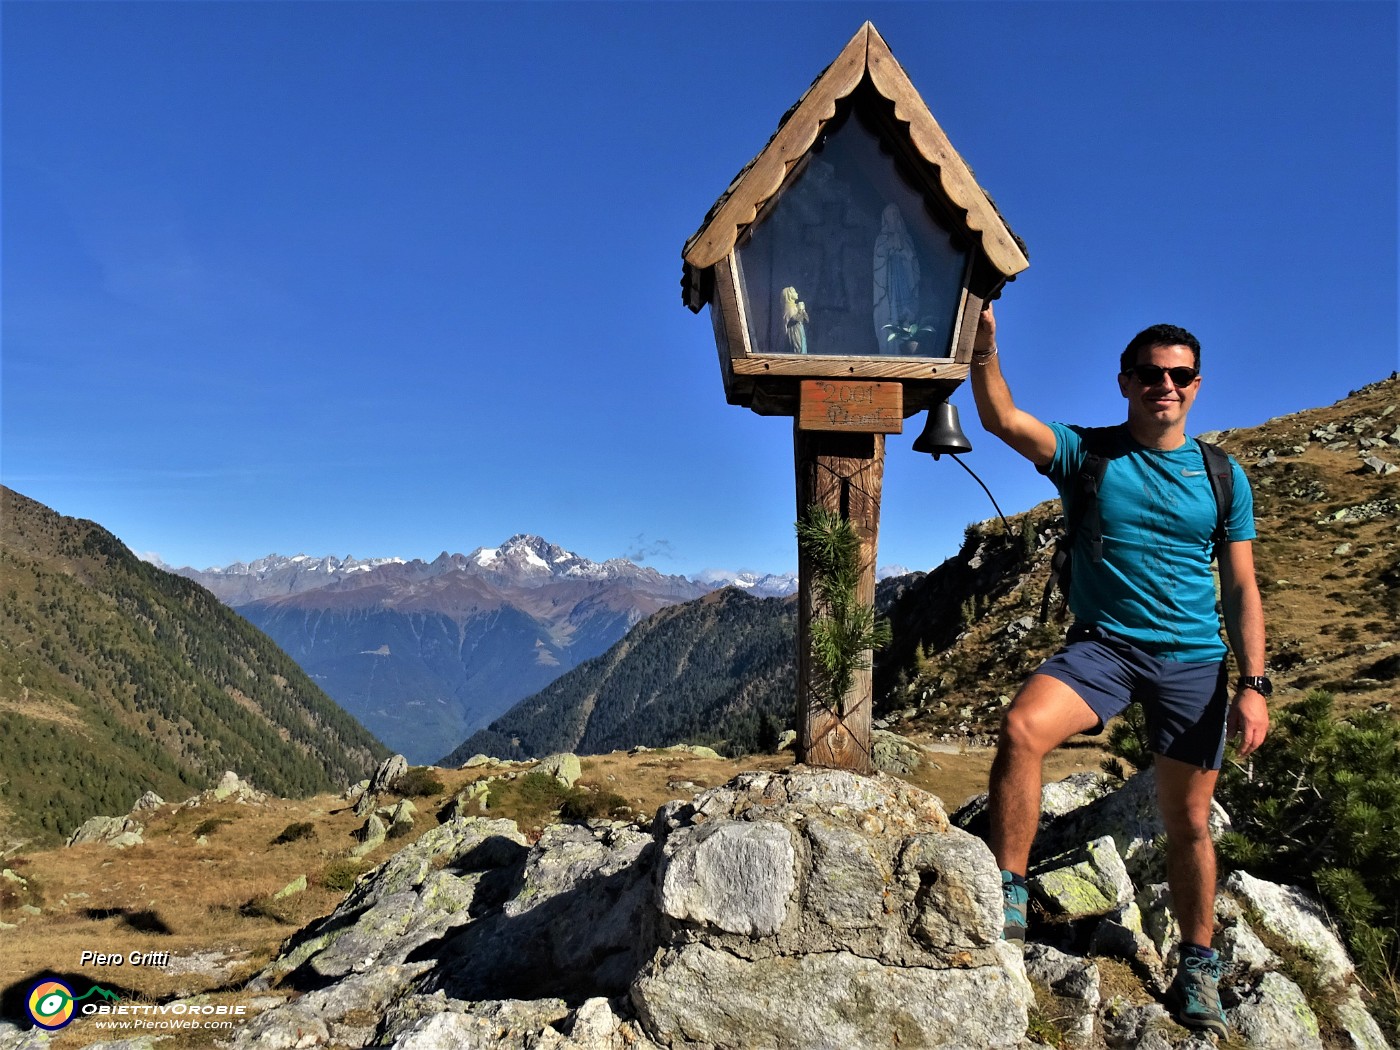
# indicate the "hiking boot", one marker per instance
pixel 1194 995
pixel 1014 898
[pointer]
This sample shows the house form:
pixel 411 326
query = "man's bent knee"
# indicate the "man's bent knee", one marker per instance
pixel 1045 713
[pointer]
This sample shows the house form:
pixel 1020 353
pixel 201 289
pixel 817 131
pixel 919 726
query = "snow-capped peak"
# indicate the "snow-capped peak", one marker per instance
pixel 764 585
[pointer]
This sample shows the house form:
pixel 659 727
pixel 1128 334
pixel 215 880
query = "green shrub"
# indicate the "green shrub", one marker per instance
pixel 769 734
pixel 537 797
pixel 295 833
pixel 1128 739
pixel 213 824
pixel 845 630
pixel 539 788
pixel 340 875
pixel 1319 804
pixel 580 804
pixel 1029 542
pixel 419 782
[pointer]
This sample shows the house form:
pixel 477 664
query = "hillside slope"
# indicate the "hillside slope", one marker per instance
pixel 700 672
pixel 117 678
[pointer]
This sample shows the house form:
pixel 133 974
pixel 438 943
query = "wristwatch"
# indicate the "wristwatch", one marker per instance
pixel 1258 683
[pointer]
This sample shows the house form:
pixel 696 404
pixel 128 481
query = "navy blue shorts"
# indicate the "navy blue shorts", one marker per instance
pixel 1185 704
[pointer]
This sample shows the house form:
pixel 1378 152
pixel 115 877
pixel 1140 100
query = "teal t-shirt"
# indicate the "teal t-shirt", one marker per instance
pixel 1154 585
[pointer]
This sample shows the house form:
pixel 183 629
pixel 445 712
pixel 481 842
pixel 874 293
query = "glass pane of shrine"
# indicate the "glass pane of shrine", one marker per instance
pixel 852 259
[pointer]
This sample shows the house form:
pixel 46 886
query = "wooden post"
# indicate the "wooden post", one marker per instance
pixel 843 472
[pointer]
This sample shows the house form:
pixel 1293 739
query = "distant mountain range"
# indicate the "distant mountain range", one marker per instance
pixel 707 671
pixel 520 559
pixel 117 678
pixel 426 653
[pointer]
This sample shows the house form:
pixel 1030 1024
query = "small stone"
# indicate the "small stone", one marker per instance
pixel 297 885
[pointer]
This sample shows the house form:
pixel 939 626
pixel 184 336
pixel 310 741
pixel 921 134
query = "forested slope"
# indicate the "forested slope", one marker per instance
pixel 117 678
pixel 707 671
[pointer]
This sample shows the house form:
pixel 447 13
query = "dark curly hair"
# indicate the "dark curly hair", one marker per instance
pixel 1159 335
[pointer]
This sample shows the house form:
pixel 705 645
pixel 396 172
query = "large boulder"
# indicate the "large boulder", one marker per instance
pixel 114 831
pixel 703 995
pixel 389 773
pixel 1276 1013
pixel 579 921
pixel 826 902
pixel 415 896
pixel 149 800
pixel 893 753
pixel 233 787
pixel 1088 806
pixel 1290 915
pixel 756 914
pixel 563 767
pixel 737 877
pixel 1090 880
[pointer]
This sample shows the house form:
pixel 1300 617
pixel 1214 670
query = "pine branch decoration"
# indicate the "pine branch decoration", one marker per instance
pixel 843 634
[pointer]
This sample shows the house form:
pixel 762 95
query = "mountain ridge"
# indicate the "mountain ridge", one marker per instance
pixel 523 559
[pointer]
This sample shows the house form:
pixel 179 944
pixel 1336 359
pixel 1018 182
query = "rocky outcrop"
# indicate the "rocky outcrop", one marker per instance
pixel 756 914
pixel 122 832
pixel 563 767
pixel 390 771
pixel 150 800
pixel 795 910
pixel 114 831
pixel 1097 889
pixel 230 788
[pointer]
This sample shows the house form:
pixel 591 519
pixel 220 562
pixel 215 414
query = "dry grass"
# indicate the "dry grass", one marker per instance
pixel 1330 611
pixel 955 774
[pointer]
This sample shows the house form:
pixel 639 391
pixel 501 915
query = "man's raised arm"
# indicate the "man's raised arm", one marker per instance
pixel 995 408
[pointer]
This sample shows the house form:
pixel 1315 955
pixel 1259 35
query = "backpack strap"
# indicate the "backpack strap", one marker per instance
pixel 1100 445
pixel 1222 486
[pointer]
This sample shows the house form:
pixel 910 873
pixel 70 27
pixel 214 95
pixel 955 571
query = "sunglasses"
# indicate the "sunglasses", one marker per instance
pixel 1151 375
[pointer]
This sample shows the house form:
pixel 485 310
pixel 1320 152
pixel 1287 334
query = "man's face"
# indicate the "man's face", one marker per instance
pixel 1161 402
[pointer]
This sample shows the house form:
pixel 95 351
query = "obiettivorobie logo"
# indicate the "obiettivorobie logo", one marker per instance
pixel 52 1003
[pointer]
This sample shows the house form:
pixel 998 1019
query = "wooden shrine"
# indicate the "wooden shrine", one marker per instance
pixel 845 268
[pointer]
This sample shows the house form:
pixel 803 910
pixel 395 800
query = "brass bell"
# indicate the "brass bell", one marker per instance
pixel 942 432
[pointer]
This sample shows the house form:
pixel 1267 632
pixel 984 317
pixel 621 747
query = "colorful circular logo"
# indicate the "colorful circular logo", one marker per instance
pixel 51 1004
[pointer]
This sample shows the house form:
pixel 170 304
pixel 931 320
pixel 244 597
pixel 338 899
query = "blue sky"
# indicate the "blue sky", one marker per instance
pixel 398 278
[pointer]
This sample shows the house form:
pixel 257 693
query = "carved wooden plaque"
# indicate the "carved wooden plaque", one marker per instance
pixel 851 405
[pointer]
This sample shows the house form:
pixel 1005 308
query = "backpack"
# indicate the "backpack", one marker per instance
pixel 1102 444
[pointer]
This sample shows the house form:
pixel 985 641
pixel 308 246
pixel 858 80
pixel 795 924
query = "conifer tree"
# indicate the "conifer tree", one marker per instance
pixel 846 630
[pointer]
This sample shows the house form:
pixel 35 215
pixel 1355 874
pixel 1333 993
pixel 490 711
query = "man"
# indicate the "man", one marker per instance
pixel 1145 629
